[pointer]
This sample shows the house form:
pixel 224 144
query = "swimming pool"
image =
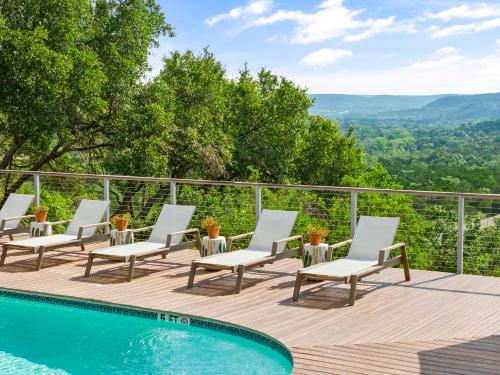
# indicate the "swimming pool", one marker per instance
pixel 48 335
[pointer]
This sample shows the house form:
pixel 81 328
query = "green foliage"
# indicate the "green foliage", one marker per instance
pixel 459 158
pixel 74 98
pixel 325 155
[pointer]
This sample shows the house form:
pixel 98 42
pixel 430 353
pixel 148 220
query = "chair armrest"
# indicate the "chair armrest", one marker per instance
pixel 4 221
pixel 82 227
pixel 387 250
pixel 340 244
pixel 18 217
pixel 187 231
pixel 60 222
pixel 298 237
pixel 231 239
pixel 142 229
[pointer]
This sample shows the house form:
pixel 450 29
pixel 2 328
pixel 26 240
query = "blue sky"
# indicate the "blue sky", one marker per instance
pixel 354 47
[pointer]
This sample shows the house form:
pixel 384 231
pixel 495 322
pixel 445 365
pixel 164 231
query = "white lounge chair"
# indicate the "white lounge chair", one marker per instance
pixel 80 231
pixel 266 246
pixel 369 253
pixel 12 212
pixel 167 235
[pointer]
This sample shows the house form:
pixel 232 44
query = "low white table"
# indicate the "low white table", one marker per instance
pixel 316 254
pixel 121 237
pixel 38 229
pixel 211 246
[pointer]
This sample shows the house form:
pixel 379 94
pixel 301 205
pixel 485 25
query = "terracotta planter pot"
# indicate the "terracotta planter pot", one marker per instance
pixel 41 217
pixel 121 224
pixel 213 232
pixel 314 238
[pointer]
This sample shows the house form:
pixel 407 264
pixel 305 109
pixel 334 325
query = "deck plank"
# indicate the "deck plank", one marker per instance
pixel 437 323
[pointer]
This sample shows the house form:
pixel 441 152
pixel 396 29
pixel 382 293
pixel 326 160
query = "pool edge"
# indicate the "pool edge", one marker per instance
pixel 153 314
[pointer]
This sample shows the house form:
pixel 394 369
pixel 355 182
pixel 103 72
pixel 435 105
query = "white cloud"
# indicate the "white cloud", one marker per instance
pixel 436 63
pixel 468 76
pixel 498 42
pixel 481 10
pixel 440 32
pixel 377 26
pixel 253 8
pixel 325 56
pixel 446 51
pixel 330 20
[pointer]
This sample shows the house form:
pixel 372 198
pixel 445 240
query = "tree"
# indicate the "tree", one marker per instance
pixel 69 70
pixel 267 115
pixel 324 155
pixel 200 146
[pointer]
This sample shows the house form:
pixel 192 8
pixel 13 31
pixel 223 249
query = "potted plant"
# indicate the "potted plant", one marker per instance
pixel 212 225
pixel 41 214
pixel 316 233
pixel 121 221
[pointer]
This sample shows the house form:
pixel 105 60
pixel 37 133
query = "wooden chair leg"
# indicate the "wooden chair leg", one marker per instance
pixel 241 270
pixel 4 255
pixel 164 255
pixel 298 284
pixel 11 237
pixel 131 268
pixel 192 274
pixel 41 251
pixel 89 265
pixel 82 247
pixel 352 295
pixel 404 262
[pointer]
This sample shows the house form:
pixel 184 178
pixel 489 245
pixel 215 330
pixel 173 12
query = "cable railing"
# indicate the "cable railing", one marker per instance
pixel 444 231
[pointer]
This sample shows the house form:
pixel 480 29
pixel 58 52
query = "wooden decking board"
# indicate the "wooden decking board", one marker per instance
pixel 395 327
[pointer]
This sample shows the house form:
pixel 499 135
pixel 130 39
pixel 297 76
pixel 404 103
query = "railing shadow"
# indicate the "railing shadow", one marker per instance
pixel 477 356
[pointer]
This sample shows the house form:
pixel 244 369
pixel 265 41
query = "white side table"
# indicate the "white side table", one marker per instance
pixel 40 229
pixel 316 254
pixel 211 246
pixel 121 237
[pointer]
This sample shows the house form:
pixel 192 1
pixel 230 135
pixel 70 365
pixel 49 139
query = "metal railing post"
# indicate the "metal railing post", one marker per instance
pixel 460 235
pixel 173 193
pixel 258 202
pixel 36 188
pixel 354 212
pixel 106 196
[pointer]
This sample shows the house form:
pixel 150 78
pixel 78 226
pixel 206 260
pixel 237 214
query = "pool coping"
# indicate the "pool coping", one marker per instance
pixel 153 314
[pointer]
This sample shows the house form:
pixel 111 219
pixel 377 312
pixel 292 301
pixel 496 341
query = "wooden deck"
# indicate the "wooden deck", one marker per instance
pixel 437 323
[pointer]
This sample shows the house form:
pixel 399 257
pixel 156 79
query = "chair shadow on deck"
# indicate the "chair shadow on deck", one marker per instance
pixel 327 295
pixel 117 272
pixel 29 260
pixel 222 283
pixel 475 356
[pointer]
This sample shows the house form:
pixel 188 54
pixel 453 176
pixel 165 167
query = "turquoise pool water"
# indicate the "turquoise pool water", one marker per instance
pixel 44 338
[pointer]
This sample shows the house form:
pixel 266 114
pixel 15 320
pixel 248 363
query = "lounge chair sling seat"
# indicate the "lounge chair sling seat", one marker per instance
pixel 15 206
pixel 44 241
pixel 267 244
pixel 162 240
pixel 340 267
pixel 235 258
pixel 81 230
pixel 137 249
pixel 369 253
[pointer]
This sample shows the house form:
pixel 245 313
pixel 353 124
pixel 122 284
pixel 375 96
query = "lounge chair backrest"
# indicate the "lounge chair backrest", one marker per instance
pixel 173 218
pixel 16 205
pixel 372 234
pixel 88 212
pixel 273 225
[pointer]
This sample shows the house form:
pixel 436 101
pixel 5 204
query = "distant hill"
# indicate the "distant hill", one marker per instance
pixel 325 104
pixel 418 110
